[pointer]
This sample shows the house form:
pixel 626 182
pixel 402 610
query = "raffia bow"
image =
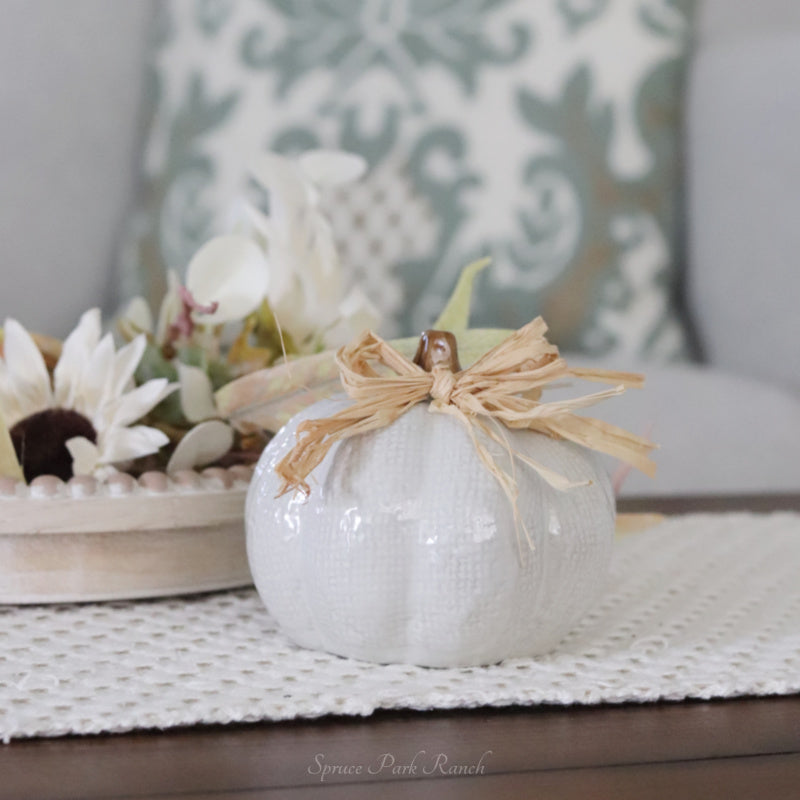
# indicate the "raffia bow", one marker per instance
pixel 503 388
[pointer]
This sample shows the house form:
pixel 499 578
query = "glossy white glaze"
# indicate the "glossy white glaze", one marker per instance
pixel 406 550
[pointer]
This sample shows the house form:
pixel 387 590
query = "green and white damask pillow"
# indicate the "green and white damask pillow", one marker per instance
pixel 543 132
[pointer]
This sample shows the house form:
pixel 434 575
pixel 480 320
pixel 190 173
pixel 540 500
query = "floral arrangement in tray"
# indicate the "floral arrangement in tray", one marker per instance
pixel 153 397
pixel 264 326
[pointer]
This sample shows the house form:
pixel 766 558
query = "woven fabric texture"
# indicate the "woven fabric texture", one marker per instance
pixel 702 606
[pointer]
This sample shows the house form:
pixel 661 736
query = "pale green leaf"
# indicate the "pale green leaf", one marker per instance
pixel 455 316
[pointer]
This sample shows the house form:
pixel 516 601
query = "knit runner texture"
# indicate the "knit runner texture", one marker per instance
pixel 702 606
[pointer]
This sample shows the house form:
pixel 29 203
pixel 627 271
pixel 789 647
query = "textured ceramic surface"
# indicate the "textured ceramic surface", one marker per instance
pixel 406 549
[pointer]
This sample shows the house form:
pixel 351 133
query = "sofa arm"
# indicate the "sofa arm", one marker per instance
pixel 744 188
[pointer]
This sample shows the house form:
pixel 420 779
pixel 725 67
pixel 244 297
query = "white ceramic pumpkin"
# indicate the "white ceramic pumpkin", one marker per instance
pixel 406 549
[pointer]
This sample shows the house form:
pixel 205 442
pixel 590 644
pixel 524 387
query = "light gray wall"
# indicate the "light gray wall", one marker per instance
pixel 70 90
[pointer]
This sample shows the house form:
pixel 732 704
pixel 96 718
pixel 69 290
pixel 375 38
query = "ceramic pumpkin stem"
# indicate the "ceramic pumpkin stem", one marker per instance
pixel 437 348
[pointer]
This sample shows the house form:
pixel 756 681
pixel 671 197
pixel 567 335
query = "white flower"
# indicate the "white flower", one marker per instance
pixel 81 422
pixel 138 318
pixel 306 289
pixel 288 256
pixel 225 281
pixel 196 393
pixel 170 310
pixel 229 274
pixel 210 438
pixel 135 319
pixel 203 444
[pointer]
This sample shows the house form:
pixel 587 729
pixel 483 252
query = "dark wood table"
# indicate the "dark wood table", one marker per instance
pixel 742 748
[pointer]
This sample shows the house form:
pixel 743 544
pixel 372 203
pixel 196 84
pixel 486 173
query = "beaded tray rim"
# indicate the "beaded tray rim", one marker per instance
pixel 123 538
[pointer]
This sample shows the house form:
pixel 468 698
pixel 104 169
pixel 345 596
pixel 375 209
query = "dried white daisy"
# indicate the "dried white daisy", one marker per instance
pixel 81 422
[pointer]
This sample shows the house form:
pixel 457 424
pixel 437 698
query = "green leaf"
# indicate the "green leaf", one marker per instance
pixel 455 316
pixel 193 356
pixel 154 365
pixel 476 342
pixel 219 372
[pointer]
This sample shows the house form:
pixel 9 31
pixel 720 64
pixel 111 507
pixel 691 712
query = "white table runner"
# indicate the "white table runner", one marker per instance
pixel 702 606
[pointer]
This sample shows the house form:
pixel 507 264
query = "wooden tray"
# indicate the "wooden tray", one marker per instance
pixel 123 538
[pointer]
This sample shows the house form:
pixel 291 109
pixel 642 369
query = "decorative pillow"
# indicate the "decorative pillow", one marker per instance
pixel 542 132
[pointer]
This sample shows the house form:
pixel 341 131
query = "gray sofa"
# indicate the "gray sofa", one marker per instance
pixel 71 87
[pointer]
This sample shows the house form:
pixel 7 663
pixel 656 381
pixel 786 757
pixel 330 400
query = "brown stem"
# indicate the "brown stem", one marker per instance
pixel 437 347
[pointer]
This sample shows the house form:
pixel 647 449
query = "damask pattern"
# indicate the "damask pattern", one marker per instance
pixel 351 38
pixel 542 132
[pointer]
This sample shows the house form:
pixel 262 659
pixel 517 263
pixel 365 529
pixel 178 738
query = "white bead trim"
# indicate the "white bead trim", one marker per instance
pixel 121 484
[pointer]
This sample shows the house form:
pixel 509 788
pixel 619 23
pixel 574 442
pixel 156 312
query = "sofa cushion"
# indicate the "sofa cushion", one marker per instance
pixel 744 179
pixel 542 132
pixel 718 433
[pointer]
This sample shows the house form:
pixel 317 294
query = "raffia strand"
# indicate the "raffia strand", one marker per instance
pixel 504 386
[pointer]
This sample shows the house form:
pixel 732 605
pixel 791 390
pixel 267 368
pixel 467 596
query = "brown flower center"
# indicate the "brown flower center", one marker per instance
pixel 40 441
